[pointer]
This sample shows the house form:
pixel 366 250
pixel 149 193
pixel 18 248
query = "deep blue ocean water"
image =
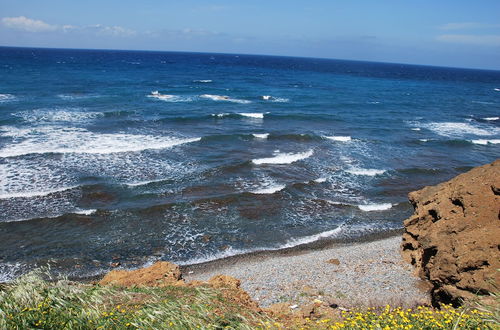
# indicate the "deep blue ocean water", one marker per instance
pixel 131 157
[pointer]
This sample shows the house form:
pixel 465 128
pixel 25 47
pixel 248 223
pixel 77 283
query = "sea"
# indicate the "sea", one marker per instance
pixel 116 159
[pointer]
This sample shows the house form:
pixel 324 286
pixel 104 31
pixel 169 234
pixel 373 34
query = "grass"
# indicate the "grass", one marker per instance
pixel 31 302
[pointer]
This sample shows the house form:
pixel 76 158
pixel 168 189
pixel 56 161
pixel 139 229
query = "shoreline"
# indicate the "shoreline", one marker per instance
pixel 362 273
pixel 319 244
pixel 219 263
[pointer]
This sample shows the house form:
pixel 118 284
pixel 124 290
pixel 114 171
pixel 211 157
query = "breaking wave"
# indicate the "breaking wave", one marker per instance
pixel 283 158
pixel 78 140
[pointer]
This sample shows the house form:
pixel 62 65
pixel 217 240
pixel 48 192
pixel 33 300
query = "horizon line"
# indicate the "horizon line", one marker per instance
pixel 241 54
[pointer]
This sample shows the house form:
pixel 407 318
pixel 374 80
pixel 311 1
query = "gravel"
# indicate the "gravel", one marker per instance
pixel 367 274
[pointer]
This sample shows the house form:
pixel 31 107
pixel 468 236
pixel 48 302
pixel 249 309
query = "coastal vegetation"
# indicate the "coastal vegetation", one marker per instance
pixel 35 302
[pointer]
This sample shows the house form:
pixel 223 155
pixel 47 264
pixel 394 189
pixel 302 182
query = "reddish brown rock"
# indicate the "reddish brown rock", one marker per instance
pixel 453 237
pixel 334 261
pixel 161 273
pixel 230 288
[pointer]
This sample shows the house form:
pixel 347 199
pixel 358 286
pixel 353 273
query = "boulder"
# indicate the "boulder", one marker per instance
pixel 453 237
pixel 161 273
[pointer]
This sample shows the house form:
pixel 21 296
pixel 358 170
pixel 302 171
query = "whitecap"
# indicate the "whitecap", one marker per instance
pixel 170 98
pixel 274 99
pixel 142 183
pixel 85 212
pixel 496 89
pixel 6 97
pixel 320 180
pixel 486 142
pixel 284 158
pixel 364 171
pixel 159 96
pixel 415 128
pixel 31 194
pixel 255 115
pixel 269 190
pixel 339 138
pixel 375 207
pixel 220 115
pixel 423 140
pixel 261 136
pixel 224 98
pixel 203 81
pixel 491 118
pixel 78 140
pixel 455 129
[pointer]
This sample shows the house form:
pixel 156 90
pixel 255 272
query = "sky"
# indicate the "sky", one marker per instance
pixel 457 33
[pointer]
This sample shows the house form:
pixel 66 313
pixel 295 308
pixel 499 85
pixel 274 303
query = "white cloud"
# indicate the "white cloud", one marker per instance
pixel 470 39
pixel 115 31
pixel 27 24
pixel 468 26
pixel 31 25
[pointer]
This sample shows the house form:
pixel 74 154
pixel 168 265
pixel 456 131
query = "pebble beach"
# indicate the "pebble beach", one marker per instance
pixel 348 275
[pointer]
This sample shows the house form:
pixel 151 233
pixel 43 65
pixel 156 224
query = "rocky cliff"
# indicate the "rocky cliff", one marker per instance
pixel 453 237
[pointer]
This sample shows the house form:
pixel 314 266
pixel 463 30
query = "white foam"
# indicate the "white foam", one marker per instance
pixel 10 271
pixel 486 142
pixel 67 115
pixel 320 180
pixel 491 118
pixel 30 194
pixel 312 238
pixel 252 115
pixel 269 190
pixel 280 100
pixel 261 136
pixel 423 140
pixel 77 140
pixel 170 98
pixel 6 97
pixel 162 97
pixel 274 99
pixel 215 97
pixel 375 207
pixel 224 98
pixel 76 96
pixel 339 138
pixel 203 81
pixel 284 158
pixel 365 171
pixel 496 89
pixel 230 252
pixel 85 212
pixel 453 129
pixel 220 115
pixel 415 128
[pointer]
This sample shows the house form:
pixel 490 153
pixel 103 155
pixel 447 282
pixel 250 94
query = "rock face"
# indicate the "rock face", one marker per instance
pixel 161 273
pixel 453 237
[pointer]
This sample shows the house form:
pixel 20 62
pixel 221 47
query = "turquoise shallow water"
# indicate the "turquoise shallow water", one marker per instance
pixel 130 157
